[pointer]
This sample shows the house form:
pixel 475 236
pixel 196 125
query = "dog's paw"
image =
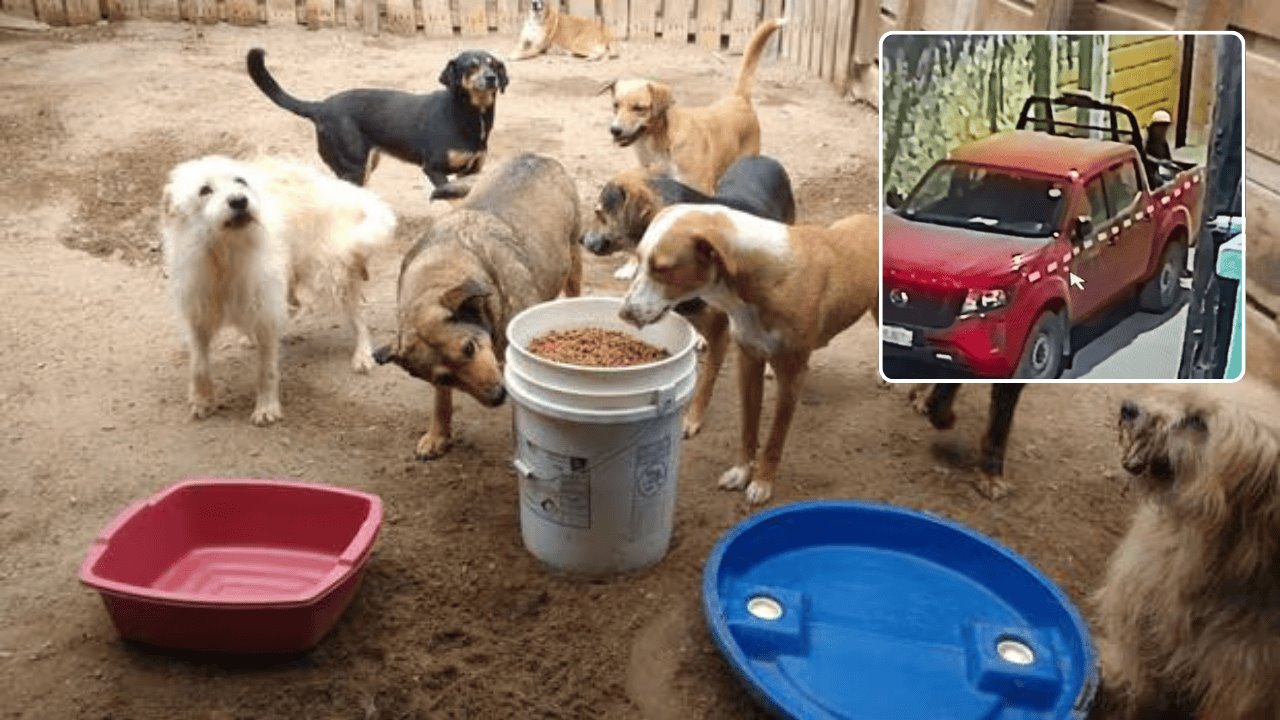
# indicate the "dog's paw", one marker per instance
pixel 759 492
pixel 628 271
pixel 691 426
pixel 768 372
pixel 432 447
pixel 992 487
pixel 701 344
pixel 362 362
pixel 266 413
pixel 735 478
pixel 200 408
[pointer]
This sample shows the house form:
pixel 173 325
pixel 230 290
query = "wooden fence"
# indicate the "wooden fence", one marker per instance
pixel 837 40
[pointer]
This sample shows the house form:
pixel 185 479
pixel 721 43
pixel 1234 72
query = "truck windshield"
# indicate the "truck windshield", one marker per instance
pixel 972 196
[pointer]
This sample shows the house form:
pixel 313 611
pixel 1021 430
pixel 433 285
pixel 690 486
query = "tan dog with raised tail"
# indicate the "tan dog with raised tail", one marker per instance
pixel 787 290
pixel 694 145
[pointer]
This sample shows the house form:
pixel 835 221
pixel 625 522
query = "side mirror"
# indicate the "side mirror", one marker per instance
pixel 894 199
pixel 1082 227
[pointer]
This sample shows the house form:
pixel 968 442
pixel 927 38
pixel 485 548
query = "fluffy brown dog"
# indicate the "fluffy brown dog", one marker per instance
pixel 694 145
pixel 1190 608
pixel 511 244
pixel 787 290
pixel 546 27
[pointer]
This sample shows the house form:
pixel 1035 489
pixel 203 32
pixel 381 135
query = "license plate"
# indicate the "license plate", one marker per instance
pixel 896 335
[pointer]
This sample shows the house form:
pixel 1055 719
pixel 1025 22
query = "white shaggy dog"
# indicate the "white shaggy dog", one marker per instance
pixel 241 238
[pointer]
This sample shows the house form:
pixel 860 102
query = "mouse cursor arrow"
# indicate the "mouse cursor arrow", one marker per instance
pixel 1077 281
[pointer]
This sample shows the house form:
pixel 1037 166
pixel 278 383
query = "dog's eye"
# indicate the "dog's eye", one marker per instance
pixel 469 350
pixel 640 108
pixel 1194 422
pixel 206 190
pixel 616 106
pixel 240 181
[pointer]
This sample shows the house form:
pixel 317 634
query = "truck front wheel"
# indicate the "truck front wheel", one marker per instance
pixel 1042 355
pixel 1162 290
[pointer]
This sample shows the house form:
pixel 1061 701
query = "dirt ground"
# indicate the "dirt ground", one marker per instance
pixel 454 618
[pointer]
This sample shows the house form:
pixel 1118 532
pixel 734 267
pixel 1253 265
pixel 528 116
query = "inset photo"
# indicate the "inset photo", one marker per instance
pixel 1062 207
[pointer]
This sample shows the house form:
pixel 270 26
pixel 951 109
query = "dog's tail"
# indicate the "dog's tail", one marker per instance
pixel 269 87
pixel 751 56
pixel 377 227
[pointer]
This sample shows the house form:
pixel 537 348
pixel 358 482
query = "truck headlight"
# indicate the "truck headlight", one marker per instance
pixel 983 300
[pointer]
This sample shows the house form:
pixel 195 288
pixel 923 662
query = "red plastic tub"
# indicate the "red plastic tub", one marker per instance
pixel 238 566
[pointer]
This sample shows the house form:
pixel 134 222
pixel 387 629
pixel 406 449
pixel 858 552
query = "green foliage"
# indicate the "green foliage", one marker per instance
pixel 955 90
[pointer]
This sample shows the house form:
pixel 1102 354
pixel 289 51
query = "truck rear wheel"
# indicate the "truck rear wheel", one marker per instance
pixel 1161 292
pixel 1042 355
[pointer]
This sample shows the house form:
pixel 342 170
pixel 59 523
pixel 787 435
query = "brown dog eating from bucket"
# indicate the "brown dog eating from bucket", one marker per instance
pixel 786 289
pixel 1189 611
pixel 511 244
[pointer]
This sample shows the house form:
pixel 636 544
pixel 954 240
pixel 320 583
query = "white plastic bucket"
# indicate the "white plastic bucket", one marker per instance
pixel 597 449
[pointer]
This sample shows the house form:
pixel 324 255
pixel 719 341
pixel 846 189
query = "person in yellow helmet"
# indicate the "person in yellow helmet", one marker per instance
pixel 1157 146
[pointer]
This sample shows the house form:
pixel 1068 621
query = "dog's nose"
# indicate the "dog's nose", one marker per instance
pixel 615 130
pixel 238 203
pixel 500 396
pixel 1128 410
pixel 596 243
pixel 382 355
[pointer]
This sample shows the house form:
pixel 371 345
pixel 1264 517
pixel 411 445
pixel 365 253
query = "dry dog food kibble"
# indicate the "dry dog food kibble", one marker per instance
pixel 595 348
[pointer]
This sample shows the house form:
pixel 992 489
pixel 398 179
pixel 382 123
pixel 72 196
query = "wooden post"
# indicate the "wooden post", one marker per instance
pixel 436 17
pixel 401 18
pixel 866 42
pixel 911 15
pixel 1052 15
pixel 474 21
pixel 640 23
pixel 370 18
pixel 320 13
pixel 282 12
pixel 83 12
pixel 710 14
pixel 1205 14
pixel 509 17
pixel 241 12
pixel 20 8
pixel 844 45
pixel 616 17
pixel 582 8
pixel 54 13
pixel 675 20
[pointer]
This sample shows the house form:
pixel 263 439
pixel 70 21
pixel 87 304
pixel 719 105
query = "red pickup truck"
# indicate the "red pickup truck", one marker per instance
pixel 1012 240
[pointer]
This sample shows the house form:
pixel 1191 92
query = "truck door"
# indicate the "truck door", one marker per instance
pixel 1092 275
pixel 1132 229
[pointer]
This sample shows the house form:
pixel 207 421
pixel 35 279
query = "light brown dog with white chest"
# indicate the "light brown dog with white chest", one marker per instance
pixel 694 145
pixel 511 244
pixel 787 290
pixel 546 27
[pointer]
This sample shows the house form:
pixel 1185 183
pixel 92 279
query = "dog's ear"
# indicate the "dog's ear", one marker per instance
pixel 449 76
pixel 467 299
pixel 712 248
pixel 501 68
pixel 607 87
pixel 660 94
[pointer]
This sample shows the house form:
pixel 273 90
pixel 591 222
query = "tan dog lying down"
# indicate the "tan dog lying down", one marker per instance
pixel 511 244
pixel 694 145
pixel 547 27
pixel 787 290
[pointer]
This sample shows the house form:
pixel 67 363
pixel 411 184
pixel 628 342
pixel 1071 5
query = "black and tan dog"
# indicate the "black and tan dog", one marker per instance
pixel 628 204
pixel 511 244
pixel 696 145
pixel 444 133
pixel 788 290
pixel 936 401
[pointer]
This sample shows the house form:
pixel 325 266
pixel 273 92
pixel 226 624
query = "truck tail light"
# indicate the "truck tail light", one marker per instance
pixel 983 300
